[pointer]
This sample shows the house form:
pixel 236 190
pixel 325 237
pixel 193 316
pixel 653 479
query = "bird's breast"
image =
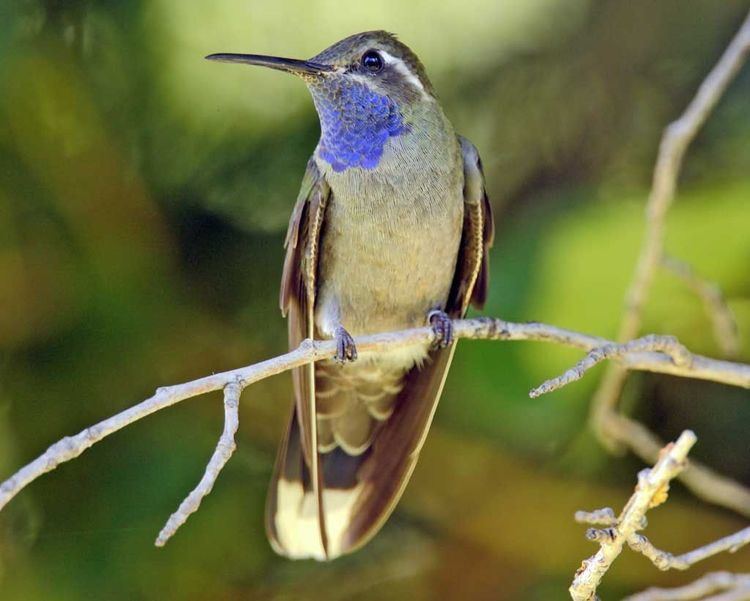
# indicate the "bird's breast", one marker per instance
pixel 389 243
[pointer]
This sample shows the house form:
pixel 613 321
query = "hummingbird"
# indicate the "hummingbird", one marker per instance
pixel 391 230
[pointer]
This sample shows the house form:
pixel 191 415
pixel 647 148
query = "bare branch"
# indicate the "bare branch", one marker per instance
pixel 650 491
pixel 674 143
pixel 598 517
pixel 667 561
pixel 71 447
pixel 721 316
pixel 224 450
pixel 479 329
pixel 729 587
pixel 701 480
pixel 668 345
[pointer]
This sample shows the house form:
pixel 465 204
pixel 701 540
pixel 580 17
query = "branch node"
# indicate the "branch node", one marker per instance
pixel 603 535
pixel 675 140
pixel 599 517
pixel 224 450
pixel 483 328
pixel 611 540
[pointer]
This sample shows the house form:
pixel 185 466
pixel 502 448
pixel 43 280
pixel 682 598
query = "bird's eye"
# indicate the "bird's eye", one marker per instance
pixel 372 61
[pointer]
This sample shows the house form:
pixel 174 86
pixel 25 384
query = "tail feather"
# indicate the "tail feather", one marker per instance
pixel 360 485
pixel 292 522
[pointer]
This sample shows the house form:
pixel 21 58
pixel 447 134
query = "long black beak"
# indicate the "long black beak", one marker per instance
pixel 290 65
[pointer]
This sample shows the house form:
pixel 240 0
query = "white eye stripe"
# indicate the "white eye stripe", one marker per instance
pixel 401 67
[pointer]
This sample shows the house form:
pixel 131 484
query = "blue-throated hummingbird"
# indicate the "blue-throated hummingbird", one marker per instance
pixel 391 230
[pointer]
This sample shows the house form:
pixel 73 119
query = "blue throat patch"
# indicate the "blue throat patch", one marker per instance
pixel 355 124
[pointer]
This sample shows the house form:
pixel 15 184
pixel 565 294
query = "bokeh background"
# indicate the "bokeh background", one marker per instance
pixel 144 193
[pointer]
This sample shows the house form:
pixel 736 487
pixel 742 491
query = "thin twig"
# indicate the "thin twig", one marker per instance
pixel 722 319
pixel 666 561
pixel 598 517
pixel 674 143
pixel 723 583
pixel 668 345
pixel 224 450
pixel 650 491
pixel 481 328
pixel 701 480
pixel 677 137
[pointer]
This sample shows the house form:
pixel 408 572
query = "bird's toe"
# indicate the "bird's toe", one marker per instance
pixel 442 326
pixel 346 350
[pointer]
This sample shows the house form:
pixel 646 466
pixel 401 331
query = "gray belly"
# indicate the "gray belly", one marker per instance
pixel 385 262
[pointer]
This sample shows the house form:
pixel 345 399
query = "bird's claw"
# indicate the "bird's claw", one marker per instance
pixel 346 350
pixel 442 327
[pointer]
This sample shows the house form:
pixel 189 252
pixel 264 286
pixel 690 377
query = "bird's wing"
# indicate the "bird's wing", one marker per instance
pixel 471 282
pixel 385 470
pixel 296 480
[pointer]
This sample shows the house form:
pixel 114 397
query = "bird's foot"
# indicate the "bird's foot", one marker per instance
pixel 346 350
pixel 442 326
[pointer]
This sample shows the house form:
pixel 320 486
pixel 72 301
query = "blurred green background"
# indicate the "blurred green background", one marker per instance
pixel 143 197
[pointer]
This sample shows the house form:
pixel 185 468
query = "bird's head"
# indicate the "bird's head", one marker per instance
pixel 365 88
pixel 375 59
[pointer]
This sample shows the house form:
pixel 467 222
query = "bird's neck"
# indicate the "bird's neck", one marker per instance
pixel 356 122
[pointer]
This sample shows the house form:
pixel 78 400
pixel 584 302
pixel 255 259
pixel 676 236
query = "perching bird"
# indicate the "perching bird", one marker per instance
pixel 391 230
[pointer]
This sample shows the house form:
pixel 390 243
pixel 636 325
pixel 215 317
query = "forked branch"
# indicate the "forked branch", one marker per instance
pixel 615 532
pixel 674 144
pixel 657 354
pixel 224 450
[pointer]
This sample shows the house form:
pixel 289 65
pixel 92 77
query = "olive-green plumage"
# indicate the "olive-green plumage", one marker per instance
pixel 391 229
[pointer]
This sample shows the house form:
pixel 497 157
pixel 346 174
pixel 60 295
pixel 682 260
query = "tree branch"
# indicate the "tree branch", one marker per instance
pixel 666 561
pixel 730 587
pixel 674 143
pixel 224 450
pixel 667 345
pixel 615 430
pixel 651 491
pixel 478 329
